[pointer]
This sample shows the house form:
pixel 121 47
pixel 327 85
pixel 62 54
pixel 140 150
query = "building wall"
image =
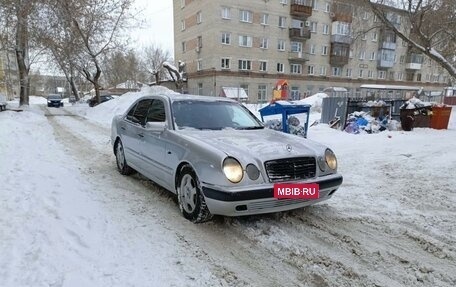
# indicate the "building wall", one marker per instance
pixel 9 78
pixel 204 56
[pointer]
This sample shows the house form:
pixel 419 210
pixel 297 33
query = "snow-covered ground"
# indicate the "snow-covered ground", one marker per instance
pixel 68 218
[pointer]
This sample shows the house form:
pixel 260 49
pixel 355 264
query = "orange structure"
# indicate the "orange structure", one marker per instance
pixel 280 91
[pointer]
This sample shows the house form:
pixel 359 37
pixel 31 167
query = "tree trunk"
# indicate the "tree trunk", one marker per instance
pixel 74 89
pixel 21 57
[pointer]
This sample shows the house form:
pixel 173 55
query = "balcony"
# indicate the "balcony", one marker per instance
pixel 344 39
pixel 301 9
pixel 338 60
pixel 342 12
pixel 388 45
pixel 414 61
pixel 297 57
pixel 385 64
pixel 299 33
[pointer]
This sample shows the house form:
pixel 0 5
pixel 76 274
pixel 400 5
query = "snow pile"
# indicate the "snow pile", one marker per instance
pixel 415 103
pixel 104 112
pixel 316 101
pixel 375 104
pixel 294 126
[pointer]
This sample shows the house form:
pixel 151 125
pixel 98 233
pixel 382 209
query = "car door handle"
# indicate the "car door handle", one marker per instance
pixel 141 135
pixel 122 128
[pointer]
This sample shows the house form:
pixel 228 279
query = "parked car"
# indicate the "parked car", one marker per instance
pixel 93 101
pixel 217 156
pixel 54 101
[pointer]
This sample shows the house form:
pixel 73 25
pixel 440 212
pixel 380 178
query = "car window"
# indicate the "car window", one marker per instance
pixel 156 112
pixel 141 111
pixel 213 115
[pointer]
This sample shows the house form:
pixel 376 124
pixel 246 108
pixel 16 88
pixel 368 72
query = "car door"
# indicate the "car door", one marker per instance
pixel 133 133
pixel 154 147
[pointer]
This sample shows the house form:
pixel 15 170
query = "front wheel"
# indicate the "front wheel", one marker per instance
pixel 190 198
pixel 122 165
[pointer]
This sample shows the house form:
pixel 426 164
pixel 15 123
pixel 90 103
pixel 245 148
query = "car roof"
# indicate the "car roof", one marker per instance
pixel 179 97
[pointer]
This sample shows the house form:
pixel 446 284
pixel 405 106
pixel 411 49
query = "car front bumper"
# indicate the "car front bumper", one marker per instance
pixel 260 199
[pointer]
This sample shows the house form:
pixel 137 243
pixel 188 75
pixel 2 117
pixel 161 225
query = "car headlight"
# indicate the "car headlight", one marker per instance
pixel 330 158
pixel 232 170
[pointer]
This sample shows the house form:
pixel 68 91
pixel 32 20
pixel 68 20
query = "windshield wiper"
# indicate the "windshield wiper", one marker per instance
pixel 250 128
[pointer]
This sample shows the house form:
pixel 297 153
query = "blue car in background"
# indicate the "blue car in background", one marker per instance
pixel 54 101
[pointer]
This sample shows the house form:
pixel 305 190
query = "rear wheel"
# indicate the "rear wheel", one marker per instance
pixel 190 197
pixel 122 165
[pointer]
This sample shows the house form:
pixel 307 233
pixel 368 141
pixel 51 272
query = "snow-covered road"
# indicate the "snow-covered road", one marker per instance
pixel 68 218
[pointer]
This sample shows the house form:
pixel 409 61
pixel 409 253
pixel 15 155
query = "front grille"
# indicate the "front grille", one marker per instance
pixel 289 169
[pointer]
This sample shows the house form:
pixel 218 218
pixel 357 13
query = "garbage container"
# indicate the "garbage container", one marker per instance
pixel 418 118
pixel 440 117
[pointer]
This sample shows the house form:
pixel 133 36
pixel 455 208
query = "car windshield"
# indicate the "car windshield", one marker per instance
pixel 54 97
pixel 213 115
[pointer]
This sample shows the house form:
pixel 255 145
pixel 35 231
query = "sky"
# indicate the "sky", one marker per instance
pixel 157 27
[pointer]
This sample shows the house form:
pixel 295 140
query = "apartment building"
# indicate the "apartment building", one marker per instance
pixel 9 78
pixel 313 44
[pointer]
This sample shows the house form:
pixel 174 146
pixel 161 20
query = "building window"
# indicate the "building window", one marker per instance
pixel 313 27
pixel 296 69
pixel 182 3
pixel 327 7
pixel 199 64
pixel 364 37
pixel 295 94
pixel 400 76
pixel 199 17
pixel 184 47
pixel 350 55
pixel 245 41
pixel 200 89
pixel 348 73
pixel 325 29
pixel 372 56
pixel 324 50
pixel 361 73
pixel 296 46
pixel 362 55
pixel 262 92
pixel 182 25
pixel 418 77
pixel 310 70
pixel 313 47
pixel 200 41
pixel 226 13
pixel 402 59
pixel 245 87
pixel 245 16
pixel 280 68
pixel 263 66
pixel 225 64
pixel 282 21
pixel 323 71
pixel 336 71
pixel 264 44
pixel 265 19
pixel 281 45
pixel 370 74
pixel 226 38
pixel 315 4
pixel 365 15
pixel 245 65
pixel 374 36
pixel 342 28
pixel 381 74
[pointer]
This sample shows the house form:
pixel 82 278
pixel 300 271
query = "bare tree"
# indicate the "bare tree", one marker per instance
pixel 122 67
pixel 96 25
pixel 153 59
pixel 176 73
pixel 429 27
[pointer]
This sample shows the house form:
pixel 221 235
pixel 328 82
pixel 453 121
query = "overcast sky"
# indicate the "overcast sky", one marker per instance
pixel 158 24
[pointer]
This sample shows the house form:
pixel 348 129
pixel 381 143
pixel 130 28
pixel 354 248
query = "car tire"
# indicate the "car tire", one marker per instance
pixel 122 165
pixel 190 198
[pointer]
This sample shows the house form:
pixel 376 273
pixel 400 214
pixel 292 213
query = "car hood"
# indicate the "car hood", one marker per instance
pixel 264 144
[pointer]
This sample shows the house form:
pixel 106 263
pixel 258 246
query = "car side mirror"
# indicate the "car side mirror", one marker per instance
pixel 156 126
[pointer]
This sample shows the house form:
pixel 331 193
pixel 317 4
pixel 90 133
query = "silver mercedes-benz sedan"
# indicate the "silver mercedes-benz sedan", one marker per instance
pixel 218 157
